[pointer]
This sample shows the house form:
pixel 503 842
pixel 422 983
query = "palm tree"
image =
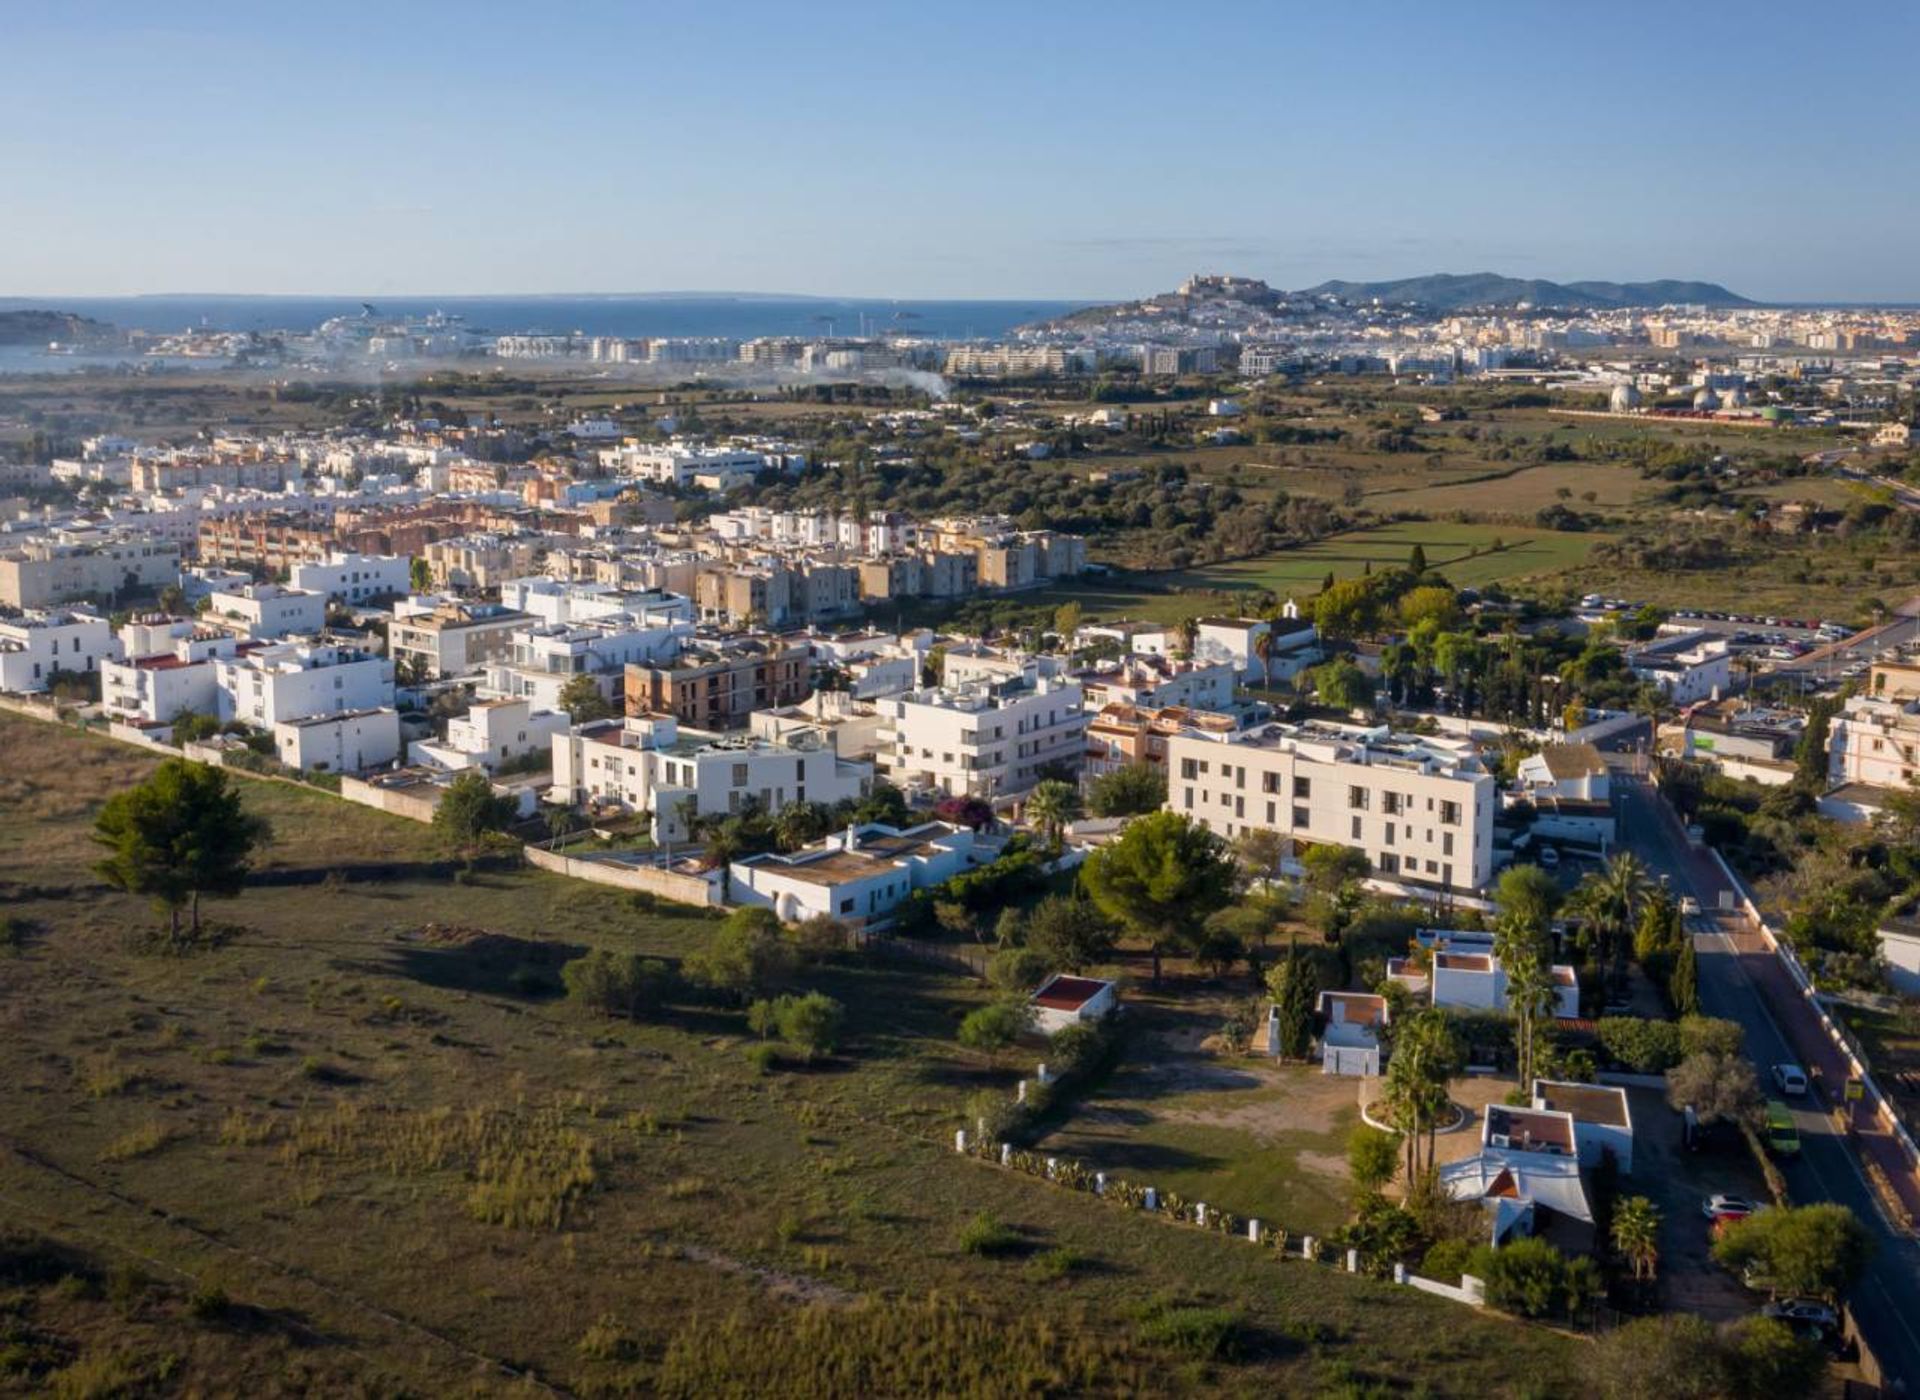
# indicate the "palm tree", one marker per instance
pixel 1188 631
pixel 1636 1234
pixel 1263 649
pixel 798 823
pixel 1609 902
pixel 1050 806
pixel 1426 1056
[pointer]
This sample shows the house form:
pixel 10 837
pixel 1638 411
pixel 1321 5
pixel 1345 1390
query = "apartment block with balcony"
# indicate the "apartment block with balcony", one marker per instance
pixel 46 573
pixel 718 683
pixel 265 685
pixel 36 646
pixel 984 739
pixel 1421 809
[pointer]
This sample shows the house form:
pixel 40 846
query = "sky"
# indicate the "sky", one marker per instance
pixel 1058 149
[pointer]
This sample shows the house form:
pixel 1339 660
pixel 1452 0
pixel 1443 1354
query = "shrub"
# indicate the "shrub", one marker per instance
pixel 763 1057
pixel 1528 1277
pixel 992 1028
pixel 1054 1264
pixel 985 1235
pixel 1206 1334
pixel 616 984
pixel 811 1022
pixel 1709 1035
pixel 1447 1260
pixel 1643 1046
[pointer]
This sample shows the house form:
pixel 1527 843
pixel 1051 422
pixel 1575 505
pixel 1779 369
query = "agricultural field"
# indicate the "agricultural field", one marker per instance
pixel 362 1143
pixel 1469 555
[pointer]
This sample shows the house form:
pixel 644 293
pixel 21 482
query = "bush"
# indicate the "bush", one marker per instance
pixel 1447 1260
pixel 1054 1264
pixel 1643 1046
pixel 1205 1334
pixel 763 1057
pixel 1709 1035
pixel 811 1022
pixel 994 1027
pixel 985 1235
pixel 1528 1277
pixel 616 984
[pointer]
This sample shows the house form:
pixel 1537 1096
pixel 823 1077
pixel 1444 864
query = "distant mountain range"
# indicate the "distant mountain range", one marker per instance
pixel 1451 291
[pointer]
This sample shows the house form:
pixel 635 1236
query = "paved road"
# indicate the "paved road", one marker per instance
pixel 1827 663
pixel 1741 981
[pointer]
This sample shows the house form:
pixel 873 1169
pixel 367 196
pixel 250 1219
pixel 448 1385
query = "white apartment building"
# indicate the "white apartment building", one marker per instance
pixel 860 875
pixel 1875 742
pixel 351 741
pixel 43 573
pixel 1476 981
pixel 204 580
pixel 181 675
pixel 490 735
pixel 1155 682
pixel 265 685
pixel 356 578
pixel 679 462
pixel 1294 643
pixel 1684 668
pixel 543 659
pixel 561 601
pixel 268 611
pixel 1421 809
pixel 984 739
pixel 36 645
pixel 439 638
pixel 653 765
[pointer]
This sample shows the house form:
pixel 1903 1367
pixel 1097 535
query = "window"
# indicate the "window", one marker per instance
pixel 1300 816
pixel 1270 814
pixel 1189 799
pixel 1389 863
pixel 1446 843
pixel 1390 803
pixel 1302 787
pixel 739 775
pixel 1357 798
pixel 1189 769
pixel 1356 829
pixel 1450 814
pixel 1269 782
pixel 1389 836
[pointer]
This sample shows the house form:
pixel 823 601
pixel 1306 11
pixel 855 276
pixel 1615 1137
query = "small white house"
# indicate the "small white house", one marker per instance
pixel 1602 1118
pixel 860 875
pixel 1064 1001
pixel 39 644
pixel 351 741
pixel 1477 981
pixel 268 611
pixel 491 734
pixel 1350 1042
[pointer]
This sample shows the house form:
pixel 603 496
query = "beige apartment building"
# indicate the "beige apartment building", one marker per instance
pixel 1420 808
pixel 719 688
pixel 43 573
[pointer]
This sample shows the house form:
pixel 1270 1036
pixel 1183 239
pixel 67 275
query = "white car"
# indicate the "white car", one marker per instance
pixel 1791 1078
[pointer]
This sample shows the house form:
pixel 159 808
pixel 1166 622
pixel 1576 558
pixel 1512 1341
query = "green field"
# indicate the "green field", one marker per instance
pixel 1469 555
pixel 364 1146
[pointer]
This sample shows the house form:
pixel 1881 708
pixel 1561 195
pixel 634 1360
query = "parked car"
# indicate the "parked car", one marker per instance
pixel 1723 1203
pixel 1783 1139
pixel 1689 905
pixel 1548 858
pixel 1790 1078
pixel 1803 1313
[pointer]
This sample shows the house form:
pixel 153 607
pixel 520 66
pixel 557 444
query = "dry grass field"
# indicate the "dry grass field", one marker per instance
pixel 364 1146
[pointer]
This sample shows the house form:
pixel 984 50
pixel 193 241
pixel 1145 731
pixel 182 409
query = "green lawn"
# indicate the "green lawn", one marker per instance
pixel 336 1118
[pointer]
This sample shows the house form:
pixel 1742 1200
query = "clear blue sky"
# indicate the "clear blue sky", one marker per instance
pixel 1039 149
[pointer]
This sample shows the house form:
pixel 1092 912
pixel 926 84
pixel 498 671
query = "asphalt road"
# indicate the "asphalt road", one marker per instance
pixel 1886 1301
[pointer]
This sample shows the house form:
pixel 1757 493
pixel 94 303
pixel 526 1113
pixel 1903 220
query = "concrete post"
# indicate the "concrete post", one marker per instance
pixel 1052 1164
pixel 1353 1261
pixel 1253 1231
pixel 1020 1093
pixel 960 1141
pixel 1200 1213
pixel 1006 1154
pixel 1399 1273
pixel 1152 1201
pixel 1099 1183
pixel 1307 1246
pixel 1040 1073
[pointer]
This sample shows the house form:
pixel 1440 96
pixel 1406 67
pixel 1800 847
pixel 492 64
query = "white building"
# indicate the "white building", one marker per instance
pixel 1875 742
pixel 678 463
pixel 1684 668
pixel 1156 682
pixel 183 675
pixel 42 573
pixel 265 685
pixel 36 645
pixel 351 579
pixel 1477 981
pixel 350 741
pixel 268 611
pixel 1602 1118
pixel 491 735
pixel 543 659
pixel 653 765
pixel 860 875
pixel 985 739
pixel 1064 1000
pixel 1293 641
pixel 1421 808
pixel 1527 1172
pixel 1350 1039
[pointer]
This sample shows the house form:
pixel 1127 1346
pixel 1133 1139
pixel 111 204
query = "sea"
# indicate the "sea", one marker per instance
pixel 734 315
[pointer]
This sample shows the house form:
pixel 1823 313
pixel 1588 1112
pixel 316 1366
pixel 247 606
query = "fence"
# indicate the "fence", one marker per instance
pixel 955 957
pixel 653 879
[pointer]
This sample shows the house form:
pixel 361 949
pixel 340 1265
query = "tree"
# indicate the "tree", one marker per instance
pixel 973 812
pixel 1816 1250
pixel 1431 606
pixel 1417 560
pixel 180 834
pixel 799 823
pixel 469 808
pixel 1676 1356
pixel 1128 792
pixel 1259 850
pixel 1527 893
pixel 992 1028
pixel 1683 987
pixel 420 575
pixel 1066 622
pixel 1294 987
pixel 1263 652
pixel 1636 1235
pixel 812 1022
pixel 1530 992
pixel 582 700
pixel 1427 1054
pixel 1050 807
pixel 1346 610
pixel 746 956
pixel 1330 868
pixel 1608 902
pixel 1161 878
pixel 1342 685
pixel 1372 1158
pixel 1017 969
pixel 1718 1088
pixel 190 728
pixel 1069 933
pixel 615 984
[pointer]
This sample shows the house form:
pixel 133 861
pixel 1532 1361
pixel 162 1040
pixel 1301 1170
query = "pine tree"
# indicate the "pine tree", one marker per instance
pixel 1291 984
pixel 1417 560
